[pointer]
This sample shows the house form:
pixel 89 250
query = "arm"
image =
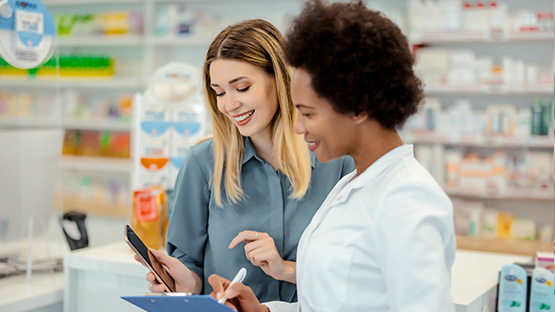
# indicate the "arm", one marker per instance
pixel 261 251
pixel 414 240
pixel 187 230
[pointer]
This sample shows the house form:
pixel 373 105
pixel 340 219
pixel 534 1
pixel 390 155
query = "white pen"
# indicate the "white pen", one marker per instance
pixel 237 279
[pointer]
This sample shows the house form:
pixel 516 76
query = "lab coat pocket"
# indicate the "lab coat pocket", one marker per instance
pixel 327 273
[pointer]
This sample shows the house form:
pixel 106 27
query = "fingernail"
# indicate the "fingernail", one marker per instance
pixel 218 295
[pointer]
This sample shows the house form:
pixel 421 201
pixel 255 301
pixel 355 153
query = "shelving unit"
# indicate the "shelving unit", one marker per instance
pixel 101 41
pixel 113 83
pixel 506 246
pixel 102 164
pixel 489 89
pixel 486 38
pixel 93 207
pixel 509 194
pixel 543 142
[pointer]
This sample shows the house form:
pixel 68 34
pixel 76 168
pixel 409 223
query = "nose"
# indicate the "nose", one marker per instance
pixel 230 103
pixel 299 126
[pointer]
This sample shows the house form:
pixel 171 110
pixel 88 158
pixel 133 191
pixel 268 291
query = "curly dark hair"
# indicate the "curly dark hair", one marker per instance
pixel 358 59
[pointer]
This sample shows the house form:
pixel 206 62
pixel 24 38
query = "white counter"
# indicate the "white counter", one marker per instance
pixel 475 276
pixel 97 277
pixel 44 292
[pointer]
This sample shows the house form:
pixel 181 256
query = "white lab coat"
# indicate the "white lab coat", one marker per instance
pixel 384 241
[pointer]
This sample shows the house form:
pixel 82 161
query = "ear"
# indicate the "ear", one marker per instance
pixel 360 118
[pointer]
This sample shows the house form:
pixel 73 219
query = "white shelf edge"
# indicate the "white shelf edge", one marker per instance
pixel 71 82
pixel 488 89
pixel 479 37
pixel 511 193
pixel 107 125
pixel 106 164
pixel 100 41
pixel 86 2
pixel 177 41
pixel 431 138
pixel 29 122
pixel 66 123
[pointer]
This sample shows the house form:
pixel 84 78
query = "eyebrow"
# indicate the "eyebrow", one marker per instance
pixel 230 82
pixel 303 106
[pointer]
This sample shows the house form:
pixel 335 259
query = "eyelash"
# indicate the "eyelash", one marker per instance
pixel 239 90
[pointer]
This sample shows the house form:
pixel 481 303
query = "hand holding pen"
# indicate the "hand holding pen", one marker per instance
pixel 237 279
pixel 234 294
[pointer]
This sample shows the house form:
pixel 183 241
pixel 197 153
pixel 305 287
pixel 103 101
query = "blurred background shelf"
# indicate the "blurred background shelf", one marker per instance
pixel 178 41
pixel 464 38
pixel 92 206
pixel 105 164
pixel 101 41
pixel 72 82
pixel 99 125
pixel 488 89
pixel 507 246
pixel 539 141
pixel 512 193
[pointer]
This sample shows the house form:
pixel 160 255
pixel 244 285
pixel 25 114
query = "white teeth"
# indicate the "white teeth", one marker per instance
pixel 312 143
pixel 245 116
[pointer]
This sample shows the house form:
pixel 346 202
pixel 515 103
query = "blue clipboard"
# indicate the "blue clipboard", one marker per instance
pixel 185 303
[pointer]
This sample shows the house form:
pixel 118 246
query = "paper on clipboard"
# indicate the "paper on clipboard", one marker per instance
pixel 169 303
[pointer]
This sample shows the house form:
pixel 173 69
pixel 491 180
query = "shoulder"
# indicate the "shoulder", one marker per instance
pixel 200 156
pixel 408 181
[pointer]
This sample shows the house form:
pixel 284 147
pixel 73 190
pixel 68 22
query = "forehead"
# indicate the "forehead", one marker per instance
pixel 223 70
pixel 301 84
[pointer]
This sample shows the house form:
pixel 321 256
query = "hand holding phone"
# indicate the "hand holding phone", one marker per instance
pixel 148 259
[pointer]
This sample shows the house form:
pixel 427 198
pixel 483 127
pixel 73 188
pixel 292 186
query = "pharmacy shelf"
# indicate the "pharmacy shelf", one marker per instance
pixel 98 125
pixel 478 37
pixel 95 207
pixel 52 122
pixel 101 41
pixel 103 164
pixel 178 41
pixel 29 122
pixel 70 82
pixel 546 89
pixel 536 141
pixel 52 3
pixel 512 193
pixel 506 246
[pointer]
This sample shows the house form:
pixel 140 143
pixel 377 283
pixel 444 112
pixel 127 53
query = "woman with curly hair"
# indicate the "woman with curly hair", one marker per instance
pixel 244 197
pixel 383 240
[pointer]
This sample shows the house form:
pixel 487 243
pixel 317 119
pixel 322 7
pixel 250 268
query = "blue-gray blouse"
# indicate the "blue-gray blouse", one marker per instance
pixel 199 231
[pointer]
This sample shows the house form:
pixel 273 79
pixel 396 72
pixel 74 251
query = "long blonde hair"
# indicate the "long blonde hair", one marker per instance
pixel 258 43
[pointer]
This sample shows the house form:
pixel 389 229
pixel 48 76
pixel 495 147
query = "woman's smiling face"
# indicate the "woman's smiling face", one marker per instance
pixel 246 94
pixel 329 134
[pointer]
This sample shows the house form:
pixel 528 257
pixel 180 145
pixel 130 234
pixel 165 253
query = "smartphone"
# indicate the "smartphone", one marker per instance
pixel 148 259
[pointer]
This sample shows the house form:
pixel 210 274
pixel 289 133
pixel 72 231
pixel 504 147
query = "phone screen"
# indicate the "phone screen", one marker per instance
pixel 153 264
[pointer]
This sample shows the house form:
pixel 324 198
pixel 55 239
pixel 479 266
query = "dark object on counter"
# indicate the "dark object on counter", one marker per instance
pixel 79 219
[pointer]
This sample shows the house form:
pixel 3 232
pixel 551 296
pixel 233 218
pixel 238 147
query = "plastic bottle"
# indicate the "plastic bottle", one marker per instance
pixel 547 120
pixel 536 119
pixel 541 291
pixel 512 289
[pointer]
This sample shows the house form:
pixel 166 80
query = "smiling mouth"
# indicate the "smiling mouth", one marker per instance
pixel 244 116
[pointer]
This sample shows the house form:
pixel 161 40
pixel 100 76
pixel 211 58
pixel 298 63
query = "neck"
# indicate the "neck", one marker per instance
pixel 374 142
pixel 264 147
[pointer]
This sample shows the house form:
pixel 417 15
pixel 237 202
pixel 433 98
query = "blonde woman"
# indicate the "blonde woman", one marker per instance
pixel 244 197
